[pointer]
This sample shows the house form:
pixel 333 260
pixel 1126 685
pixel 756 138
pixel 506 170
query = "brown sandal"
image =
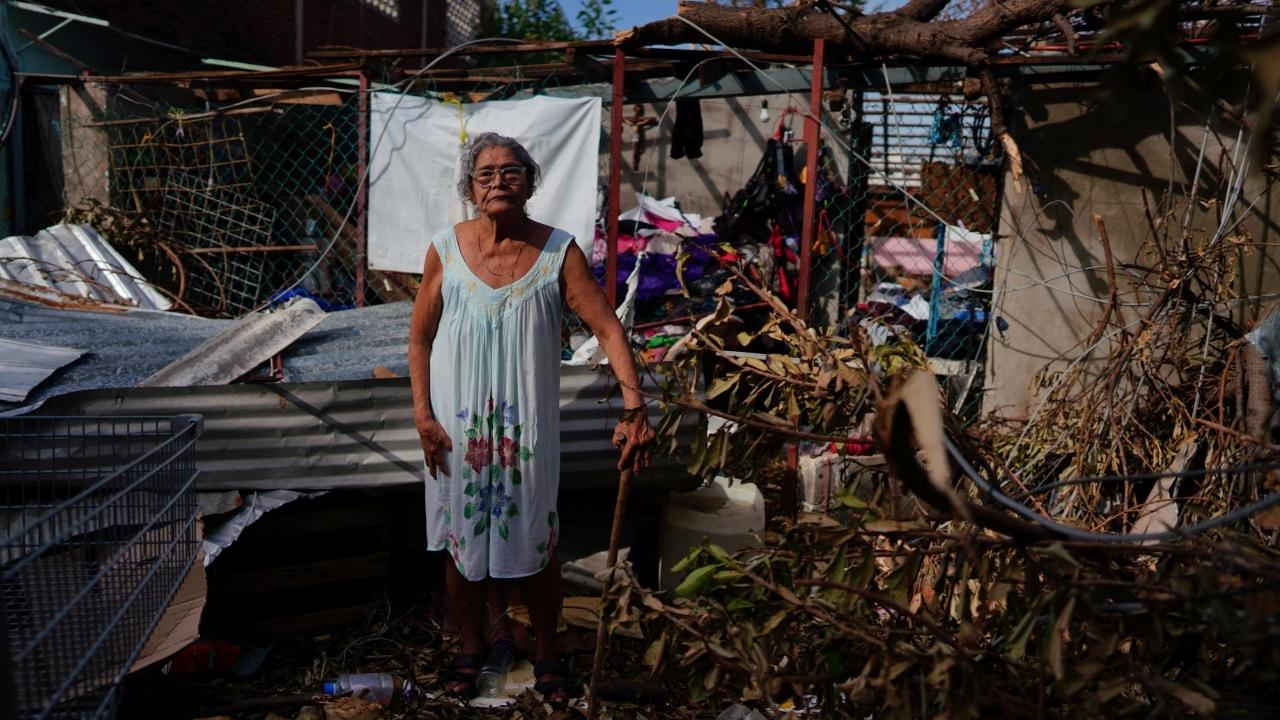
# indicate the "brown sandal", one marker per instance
pixel 546 688
pixel 467 680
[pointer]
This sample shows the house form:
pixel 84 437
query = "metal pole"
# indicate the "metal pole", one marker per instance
pixel 615 178
pixel 425 11
pixel 811 139
pixel 298 43
pixel 790 485
pixel 602 626
pixel 362 191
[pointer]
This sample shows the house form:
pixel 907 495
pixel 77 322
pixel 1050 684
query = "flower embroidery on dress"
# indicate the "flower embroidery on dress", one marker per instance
pixel 487 491
pixel 546 549
pixel 456 546
pixel 479 453
pixel 483 499
pixel 508 452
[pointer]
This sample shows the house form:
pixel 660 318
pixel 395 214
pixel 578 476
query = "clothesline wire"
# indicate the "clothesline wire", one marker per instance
pixel 1142 477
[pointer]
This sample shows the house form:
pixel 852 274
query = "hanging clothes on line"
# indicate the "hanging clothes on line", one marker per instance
pixel 686 134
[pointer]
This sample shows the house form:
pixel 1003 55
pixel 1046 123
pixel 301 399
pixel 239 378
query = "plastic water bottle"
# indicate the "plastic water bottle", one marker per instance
pixel 492 679
pixel 378 687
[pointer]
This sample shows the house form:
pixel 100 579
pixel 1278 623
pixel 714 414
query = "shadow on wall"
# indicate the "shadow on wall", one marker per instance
pixel 1091 149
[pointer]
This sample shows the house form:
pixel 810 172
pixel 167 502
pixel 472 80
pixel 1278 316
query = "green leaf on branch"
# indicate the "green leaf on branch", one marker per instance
pixel 686 561
pixel 697 582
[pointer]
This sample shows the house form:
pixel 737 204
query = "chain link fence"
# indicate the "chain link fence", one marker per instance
pixel 257 206
pixel 904 238
pixel 261 202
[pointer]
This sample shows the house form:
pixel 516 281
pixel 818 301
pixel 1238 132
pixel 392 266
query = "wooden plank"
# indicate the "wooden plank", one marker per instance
pixel 185 118
pixel 314 71
pixel 298 97
pixel 495 49
pixel 263 580
pixel 390 287
pixel 180 624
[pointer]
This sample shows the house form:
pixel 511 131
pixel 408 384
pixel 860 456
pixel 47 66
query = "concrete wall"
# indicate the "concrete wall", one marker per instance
pixel 734 139
pixel 1097 154
pixel 85 149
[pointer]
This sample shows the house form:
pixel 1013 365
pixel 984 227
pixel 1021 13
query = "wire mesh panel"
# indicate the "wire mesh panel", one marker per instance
pixel 99 530
pixel 227 234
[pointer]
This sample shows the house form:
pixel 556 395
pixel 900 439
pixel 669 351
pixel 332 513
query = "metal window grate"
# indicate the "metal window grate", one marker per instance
pixel 390 8
pixel 99 530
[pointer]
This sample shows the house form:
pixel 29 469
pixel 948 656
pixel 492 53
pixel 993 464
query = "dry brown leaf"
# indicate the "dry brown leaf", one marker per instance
pixel 352 708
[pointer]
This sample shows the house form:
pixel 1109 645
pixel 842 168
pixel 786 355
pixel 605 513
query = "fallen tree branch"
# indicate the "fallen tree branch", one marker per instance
pixel 1064 26
pixel 908 31
pixel 999 127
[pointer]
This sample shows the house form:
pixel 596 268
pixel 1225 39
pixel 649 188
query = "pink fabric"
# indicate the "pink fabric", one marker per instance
pixel 915 255
pixel 663 223
pixel 631 243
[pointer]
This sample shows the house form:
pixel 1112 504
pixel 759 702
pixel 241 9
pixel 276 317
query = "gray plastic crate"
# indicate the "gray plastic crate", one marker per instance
pixel 98 519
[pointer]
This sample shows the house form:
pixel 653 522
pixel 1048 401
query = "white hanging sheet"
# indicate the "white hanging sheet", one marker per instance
pixel 413 167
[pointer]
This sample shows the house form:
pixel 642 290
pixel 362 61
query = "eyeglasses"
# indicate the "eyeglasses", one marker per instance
pixel 511 175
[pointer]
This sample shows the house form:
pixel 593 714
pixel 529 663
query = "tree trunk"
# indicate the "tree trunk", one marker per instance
pixel 907 31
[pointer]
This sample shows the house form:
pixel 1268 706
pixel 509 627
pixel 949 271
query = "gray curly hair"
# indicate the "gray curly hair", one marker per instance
pixel 487 140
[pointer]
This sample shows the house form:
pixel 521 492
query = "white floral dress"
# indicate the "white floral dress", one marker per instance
pixel 495 388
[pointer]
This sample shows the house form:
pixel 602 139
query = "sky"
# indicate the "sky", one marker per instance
pixel 638 12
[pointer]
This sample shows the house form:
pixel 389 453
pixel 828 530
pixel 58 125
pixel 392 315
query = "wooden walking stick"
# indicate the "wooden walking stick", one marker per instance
pixel 615 537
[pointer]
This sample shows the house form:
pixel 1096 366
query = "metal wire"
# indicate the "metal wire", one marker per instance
pixel 1077 534
pixel 99 531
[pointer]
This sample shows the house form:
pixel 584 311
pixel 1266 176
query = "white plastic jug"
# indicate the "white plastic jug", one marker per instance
pixel 726 514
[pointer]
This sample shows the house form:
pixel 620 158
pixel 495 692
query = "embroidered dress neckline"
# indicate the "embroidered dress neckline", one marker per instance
pixel 531 272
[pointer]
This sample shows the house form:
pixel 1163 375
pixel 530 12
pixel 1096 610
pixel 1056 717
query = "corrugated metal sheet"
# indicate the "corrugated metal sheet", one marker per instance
pixel 25 365
pixel 358 433
pixel 74 260
pixel 126 348
pixel 123 348
pixel 249 342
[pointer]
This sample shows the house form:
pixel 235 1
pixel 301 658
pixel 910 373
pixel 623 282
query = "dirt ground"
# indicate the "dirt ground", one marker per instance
pixel 404 634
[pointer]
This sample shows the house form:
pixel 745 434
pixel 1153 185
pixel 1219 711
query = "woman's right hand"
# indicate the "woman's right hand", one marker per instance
pixel 435 446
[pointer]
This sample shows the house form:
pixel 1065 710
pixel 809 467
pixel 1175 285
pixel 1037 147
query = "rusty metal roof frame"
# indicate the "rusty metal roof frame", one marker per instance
pixel 309 72
pixel 588 62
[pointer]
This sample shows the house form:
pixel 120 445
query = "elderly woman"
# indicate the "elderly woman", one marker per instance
pixel 484 356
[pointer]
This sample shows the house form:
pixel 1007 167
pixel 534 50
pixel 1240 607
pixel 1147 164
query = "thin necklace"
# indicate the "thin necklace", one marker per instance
pixel 485 261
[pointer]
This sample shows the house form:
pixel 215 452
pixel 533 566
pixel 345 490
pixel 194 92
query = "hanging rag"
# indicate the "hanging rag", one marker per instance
pixel 784 255
pixel 686 135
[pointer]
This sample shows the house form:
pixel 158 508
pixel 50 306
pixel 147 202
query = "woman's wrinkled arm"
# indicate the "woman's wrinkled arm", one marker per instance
pixel 422 334
pixel 586 298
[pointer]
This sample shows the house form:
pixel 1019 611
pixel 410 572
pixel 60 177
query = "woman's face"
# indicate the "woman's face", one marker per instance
pixel 499 183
